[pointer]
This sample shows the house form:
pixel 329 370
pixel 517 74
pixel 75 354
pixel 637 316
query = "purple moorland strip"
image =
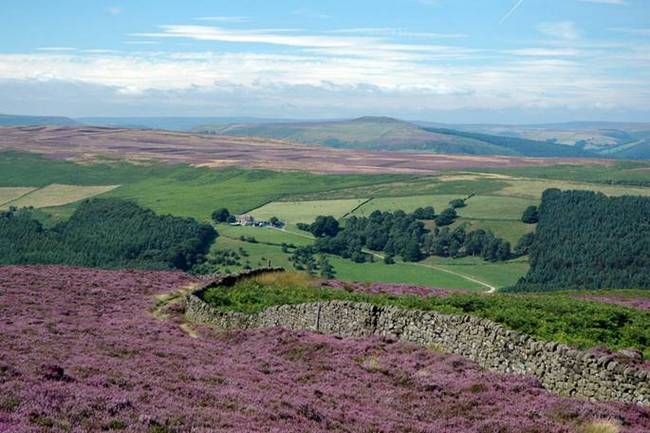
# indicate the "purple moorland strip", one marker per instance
pixel 81 352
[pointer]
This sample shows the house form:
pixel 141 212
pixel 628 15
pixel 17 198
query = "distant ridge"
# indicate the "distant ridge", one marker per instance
pixel 20 120
pixel 387 133
pixel 621 140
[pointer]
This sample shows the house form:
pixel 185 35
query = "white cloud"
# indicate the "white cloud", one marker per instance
pixel 559 29
pixel 397 32
pixel 361 69
pixel 225 19
pixel 56 49
pixel 546 52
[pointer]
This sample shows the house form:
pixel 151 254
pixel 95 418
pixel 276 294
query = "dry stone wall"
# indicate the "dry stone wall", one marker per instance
pixel 559 368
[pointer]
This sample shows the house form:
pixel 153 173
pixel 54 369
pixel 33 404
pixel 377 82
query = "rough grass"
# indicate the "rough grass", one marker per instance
pixel 533 188
pixel 624 172
pixel 58 195
pixel 9 194
pixel 551 317
pixel 601 426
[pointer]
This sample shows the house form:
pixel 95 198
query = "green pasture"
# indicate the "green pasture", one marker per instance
pixel 293 212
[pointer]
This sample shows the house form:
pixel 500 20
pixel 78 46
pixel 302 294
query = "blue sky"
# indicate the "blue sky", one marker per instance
pixel 506 61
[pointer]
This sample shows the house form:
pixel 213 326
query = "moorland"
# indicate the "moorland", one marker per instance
pixel 101 348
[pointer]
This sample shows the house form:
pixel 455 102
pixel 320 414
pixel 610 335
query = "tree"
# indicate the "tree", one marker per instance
pixel 446 217
pixel 324 226
pixel 221 215
pixel 412 252
pixel 457 203
pixel 523 246
pixel 530 215
pixel 425 213
pixel 275 222
pixel 389 259
pixel 326 268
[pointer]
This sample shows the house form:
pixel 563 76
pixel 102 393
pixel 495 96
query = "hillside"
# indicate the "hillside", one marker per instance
pixel 87 143
pixel 18 120
pixel 625 140
pixel 384 133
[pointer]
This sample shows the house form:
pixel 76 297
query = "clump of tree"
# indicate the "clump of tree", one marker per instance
pixel 275 222
pixel 401 234
pixel 303 260
pixel 457 203
pixel 107 233
pixel 586 240
pixel 444 242
pixel 324 226
pixel 446 217
pixel 530 215
pixel 222 215
pixel 425 213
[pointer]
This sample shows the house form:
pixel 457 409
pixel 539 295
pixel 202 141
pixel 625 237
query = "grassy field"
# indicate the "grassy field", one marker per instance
pixel 501 274
pixel 58 195
pixel 268 247
pixel 623 172
pixel 9 194
pixel 406 273
pixel 179 189
pixel 501 196
pixel 292 212
pixel 533 188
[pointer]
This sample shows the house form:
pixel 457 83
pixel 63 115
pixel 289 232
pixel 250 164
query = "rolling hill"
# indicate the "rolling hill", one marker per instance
pixel 625 140
pixel 385 133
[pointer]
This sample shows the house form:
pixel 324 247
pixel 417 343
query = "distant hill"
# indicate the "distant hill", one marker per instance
pixel 385 133
pixel 18 120
pixel 174 123
pixel 626 140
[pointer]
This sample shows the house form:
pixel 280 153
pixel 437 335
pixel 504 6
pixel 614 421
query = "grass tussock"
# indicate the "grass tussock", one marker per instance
pixel 601 426
pixel 286 279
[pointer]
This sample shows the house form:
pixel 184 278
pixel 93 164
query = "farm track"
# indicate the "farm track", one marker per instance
pixel 490 288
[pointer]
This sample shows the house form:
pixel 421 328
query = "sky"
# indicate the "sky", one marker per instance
pixel 454 61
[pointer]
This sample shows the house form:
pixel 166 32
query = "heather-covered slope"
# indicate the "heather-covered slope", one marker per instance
pixel 81 353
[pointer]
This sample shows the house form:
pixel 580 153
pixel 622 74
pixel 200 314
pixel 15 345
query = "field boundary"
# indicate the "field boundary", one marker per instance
pixel 8 203
pixel 358 207
pixel 559 368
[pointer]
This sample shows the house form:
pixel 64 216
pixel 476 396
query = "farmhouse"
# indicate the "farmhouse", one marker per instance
pixel 246 220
